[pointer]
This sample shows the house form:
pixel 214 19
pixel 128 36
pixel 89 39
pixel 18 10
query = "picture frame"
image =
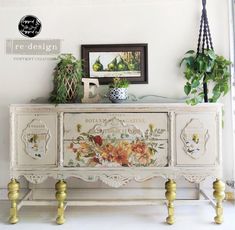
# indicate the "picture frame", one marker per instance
pixel 107 61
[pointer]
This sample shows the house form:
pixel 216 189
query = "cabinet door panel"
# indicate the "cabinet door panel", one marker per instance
pixel 36 139
pixel 196 139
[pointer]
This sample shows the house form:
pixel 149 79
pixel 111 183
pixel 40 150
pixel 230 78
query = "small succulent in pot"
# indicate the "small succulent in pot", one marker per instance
pixel 118 90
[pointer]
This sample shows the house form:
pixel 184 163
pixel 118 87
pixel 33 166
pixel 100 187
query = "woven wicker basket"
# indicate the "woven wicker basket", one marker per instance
pixel 71 85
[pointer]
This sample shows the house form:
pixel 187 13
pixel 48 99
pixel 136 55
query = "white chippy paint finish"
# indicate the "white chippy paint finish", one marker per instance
pixel 165 77
pixel 180 164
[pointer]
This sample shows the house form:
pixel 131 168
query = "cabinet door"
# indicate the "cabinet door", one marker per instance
pixel 115 140
pixel 197 139
pixel 36 140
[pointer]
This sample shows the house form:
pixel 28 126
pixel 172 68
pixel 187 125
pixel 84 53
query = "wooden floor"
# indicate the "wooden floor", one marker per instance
pixel 198 217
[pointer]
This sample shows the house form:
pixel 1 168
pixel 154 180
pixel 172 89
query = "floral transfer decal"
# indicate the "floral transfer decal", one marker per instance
pixel 194 137
pixel 36 144
pixel 35 137
pixel 115 144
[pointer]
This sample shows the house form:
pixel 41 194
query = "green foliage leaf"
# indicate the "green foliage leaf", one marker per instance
pixel 188 73
pixel 187 88
pixel 190 52
pixel 195 83
pixel 211 54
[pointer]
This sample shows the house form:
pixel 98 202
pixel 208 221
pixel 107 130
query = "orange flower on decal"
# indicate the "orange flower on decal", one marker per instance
pixel 142 152
pixel 126 146
pixel 144 158
pixel 108 152
pixel 120 156
pixel 84 148
pixel 139 147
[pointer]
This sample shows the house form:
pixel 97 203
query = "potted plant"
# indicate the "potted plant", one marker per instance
pixel 203 70
pixel 67 79
pixel 118 90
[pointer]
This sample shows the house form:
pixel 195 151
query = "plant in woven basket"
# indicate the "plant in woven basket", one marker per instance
pixel 67 79
pixel 203 67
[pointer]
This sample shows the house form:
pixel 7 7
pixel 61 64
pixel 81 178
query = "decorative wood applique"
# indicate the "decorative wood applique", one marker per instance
pixel 195 178
pixel 35 179
pixel 35 137
pixel 194 136
pixel 112 143
pixel 115 181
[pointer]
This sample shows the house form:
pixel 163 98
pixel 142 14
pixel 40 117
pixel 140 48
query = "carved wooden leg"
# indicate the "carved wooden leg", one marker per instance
pixel 170 194
pixel 219 195
pixel 13 195
pixel 60 197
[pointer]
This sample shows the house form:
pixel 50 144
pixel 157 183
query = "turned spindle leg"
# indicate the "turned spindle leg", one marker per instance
pixel 60 197
pixel 219 195
pixel 170 194
pixel 13 195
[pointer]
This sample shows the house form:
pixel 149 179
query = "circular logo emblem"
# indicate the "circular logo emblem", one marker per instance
pixel 29 26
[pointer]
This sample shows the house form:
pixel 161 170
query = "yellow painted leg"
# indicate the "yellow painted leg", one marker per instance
pixel 60 197
pixel 170 194
pixel 219 195
pixel 13 195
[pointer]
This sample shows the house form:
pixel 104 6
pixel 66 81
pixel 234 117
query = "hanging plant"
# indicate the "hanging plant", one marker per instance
pixel 67 79
pixel 204 67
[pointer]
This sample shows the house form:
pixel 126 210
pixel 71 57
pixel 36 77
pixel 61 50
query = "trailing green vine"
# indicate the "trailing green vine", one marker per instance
pixel 206 67
pixel 68 69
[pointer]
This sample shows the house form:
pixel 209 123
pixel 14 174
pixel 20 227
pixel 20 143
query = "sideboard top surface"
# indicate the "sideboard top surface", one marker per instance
pixel 110 107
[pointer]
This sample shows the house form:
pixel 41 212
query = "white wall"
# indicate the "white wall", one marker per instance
pixel 170 27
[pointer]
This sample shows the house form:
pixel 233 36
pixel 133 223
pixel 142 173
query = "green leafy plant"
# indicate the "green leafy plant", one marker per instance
pixel 119 83
pixel 202 69
pixel 67 79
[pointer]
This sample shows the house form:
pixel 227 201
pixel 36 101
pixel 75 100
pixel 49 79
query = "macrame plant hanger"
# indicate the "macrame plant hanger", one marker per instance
pixel 204 39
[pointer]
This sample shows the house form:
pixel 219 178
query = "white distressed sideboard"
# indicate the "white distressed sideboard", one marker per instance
pixel 115 143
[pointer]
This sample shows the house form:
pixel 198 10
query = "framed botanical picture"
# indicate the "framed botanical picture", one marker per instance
pixel 116 60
